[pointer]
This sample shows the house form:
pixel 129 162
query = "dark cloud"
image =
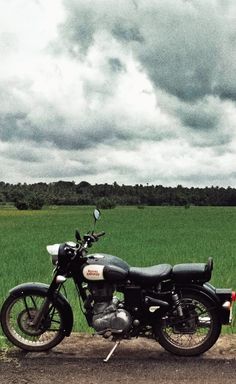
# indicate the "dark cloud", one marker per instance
pixel 22 153
pixel 17 126
pixel 200 121
pixel 127 33
pixel 116 65
pixel 181 48
pixel 9 125
pixel 227 93
pixel 206 115
pixel 58 132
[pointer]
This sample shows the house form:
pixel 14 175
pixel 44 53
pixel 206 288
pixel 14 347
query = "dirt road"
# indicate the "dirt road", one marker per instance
pixel 79 359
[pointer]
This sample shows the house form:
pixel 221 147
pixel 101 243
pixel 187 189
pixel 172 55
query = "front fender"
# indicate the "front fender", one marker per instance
pixel 62 302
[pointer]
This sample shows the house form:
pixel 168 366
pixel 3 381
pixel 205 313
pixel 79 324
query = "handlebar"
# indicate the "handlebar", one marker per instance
pixel 97 235
pixel 91 238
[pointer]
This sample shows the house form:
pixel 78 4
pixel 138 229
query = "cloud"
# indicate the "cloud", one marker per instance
pixel 184 51
pixel 76 105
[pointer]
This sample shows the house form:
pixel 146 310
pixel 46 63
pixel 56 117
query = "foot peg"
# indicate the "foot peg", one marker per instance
pixel 111 352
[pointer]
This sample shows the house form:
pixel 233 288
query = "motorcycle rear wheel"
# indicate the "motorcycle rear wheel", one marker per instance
pixel 16 316
pixel 196 333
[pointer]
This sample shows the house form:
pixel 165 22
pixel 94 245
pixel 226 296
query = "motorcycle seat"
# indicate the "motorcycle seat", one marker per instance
pixel 193 272
pixel 150 275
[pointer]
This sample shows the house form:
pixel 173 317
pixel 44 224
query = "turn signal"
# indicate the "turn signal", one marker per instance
pixel 60 279
pixel 226 305
pixel 233 296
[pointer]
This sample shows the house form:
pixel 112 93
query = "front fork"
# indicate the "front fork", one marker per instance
pixel 43 310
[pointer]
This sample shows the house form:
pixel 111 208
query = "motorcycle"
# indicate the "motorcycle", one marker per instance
pixel 176 306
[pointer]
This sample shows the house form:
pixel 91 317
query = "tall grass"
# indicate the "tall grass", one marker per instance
pixel 140 236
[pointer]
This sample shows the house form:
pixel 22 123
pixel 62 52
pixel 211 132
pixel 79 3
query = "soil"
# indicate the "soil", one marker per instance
pixel 79 359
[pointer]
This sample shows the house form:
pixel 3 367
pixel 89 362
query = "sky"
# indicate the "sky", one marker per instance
pixel 132 91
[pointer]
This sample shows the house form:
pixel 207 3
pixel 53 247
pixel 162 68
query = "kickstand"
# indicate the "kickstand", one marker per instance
pixel 111 352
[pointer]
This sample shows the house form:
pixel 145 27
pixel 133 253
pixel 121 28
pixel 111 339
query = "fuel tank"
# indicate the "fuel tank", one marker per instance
pixel 100 266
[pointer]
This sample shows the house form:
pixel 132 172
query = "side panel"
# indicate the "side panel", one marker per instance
pixel 34 288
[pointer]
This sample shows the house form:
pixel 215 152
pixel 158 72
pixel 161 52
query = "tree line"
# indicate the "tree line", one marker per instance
pixel 34 196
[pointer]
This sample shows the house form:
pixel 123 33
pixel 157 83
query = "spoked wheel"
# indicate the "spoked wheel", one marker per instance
pixel 17 318
pixel 193 334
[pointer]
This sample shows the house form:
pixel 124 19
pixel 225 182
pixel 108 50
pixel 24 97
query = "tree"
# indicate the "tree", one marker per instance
pixel 21 204
pixel 36 202
pixel 105 203
pixel 2 198
pixel 31 201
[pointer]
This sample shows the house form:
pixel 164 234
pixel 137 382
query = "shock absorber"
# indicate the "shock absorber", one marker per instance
pixel 177 304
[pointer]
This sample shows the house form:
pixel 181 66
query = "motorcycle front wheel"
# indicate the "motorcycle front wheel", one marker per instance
pixel 194 333
pixel 17 317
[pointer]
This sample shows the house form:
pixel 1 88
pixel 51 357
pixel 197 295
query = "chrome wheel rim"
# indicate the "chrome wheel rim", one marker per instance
pixel 194 330
pixel 19 318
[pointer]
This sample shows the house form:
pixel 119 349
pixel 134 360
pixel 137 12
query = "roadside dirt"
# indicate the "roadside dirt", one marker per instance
pixel 79 359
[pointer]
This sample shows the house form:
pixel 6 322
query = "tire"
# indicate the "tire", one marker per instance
pixel 196 333
pixel 18 312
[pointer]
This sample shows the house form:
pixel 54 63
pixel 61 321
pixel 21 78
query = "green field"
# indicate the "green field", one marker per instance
pixel 141 236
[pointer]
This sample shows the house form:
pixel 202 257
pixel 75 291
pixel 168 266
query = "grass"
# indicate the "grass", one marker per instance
pixel 141 236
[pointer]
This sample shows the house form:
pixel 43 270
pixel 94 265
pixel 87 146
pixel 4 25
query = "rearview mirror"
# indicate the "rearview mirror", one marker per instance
pixel 96 214
pixel 77 235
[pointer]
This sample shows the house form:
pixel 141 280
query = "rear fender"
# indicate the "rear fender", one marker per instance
pixel 215 295
pixel 62 302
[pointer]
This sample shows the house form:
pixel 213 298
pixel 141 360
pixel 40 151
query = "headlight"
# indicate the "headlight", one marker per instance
pixel 53 251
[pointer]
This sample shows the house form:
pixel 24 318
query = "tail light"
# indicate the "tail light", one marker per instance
pixel 233 298
pixel 229 304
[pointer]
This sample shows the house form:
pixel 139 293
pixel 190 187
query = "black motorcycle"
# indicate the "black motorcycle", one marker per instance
pixel 174 305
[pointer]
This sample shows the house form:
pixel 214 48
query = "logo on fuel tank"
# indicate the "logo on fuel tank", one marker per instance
pixel 93 272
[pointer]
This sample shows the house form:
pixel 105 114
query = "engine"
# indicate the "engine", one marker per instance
pixel 108 314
